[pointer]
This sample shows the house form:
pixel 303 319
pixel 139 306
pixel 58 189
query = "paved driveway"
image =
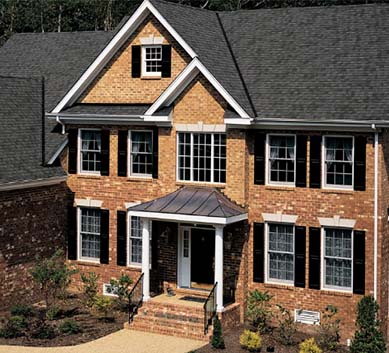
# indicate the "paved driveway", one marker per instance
pixel 124 341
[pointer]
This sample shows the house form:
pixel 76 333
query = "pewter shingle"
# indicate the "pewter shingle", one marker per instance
pixel 107 109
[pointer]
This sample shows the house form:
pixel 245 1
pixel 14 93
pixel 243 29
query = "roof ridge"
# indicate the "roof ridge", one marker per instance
pixel 184 5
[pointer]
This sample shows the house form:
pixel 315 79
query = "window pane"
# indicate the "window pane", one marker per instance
pixel 136 240
pixel 153 59
pixel 281 158
pixel 90 151
pixel 90 233
pixel 141 152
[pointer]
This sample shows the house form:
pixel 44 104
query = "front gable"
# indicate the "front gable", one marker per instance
pixel 116 85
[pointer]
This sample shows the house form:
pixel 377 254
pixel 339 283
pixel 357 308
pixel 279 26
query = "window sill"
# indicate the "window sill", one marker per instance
pixel 280 187
pixel 151 78
pixel 87 263
pixel 279 286
pixel 335 292
pixel 195 183
pixel 88 176
pixel 337 191
pixel 134 268
pixel 140 179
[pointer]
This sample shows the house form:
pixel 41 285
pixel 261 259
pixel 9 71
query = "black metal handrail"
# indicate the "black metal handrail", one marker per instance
pixel 136 296
pixel 210 308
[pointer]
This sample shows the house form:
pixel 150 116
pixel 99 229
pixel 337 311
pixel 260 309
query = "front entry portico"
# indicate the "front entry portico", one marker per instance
pixel 202 214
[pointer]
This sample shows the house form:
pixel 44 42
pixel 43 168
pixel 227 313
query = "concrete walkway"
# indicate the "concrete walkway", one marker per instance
pixel 124 341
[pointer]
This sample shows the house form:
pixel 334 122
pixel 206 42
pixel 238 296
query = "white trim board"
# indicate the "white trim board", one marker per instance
pixel 58 152
pixel 336 222
pixel 188 218
pixel 116 42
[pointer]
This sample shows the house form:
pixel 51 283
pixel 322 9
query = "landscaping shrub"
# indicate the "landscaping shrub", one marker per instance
pixel 53 276
pixel 14 327
pixel 104 305
pixel 90 288
pixel 259 310
pixel 217 337
pixel 52 313
pixel 286 326
pixel 251 341
pixel 368 338
pixel 21 310
pixel 309 346
pixel 121 287
pixel 329 329
pixel 70 327
pixel 42 330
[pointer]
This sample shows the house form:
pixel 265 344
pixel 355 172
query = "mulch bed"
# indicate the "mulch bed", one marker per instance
pixel 92 324
pixel 231 340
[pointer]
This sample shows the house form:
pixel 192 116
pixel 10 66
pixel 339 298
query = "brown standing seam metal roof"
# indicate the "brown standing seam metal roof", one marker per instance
pixel 193 201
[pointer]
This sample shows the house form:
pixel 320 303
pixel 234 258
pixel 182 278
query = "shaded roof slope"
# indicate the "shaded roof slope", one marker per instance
pixel 21 131
pixel 193 201
pixel 314 63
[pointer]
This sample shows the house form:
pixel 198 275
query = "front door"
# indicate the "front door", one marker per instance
pixel 184 257
pixel 203 255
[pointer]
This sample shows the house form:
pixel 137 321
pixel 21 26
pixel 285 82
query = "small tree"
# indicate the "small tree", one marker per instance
pixel 286 326
pixel 90 288
pixel 368 338
pixel 217 337
pixel 104 305
pixel 259 310
pixel 329 329
pixel 53 276
pixel 121 287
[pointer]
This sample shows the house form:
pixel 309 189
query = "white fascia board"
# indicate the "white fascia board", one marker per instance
pixel 183 80
pixel 57 152
pixel 129 27
pixel 238 121
pixel 32 183
pixel 188 218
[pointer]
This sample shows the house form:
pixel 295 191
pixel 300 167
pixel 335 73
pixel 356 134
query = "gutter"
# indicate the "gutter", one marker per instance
pixel 375 275
pixel 26 184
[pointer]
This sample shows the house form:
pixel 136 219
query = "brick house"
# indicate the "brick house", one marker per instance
pixel 247 149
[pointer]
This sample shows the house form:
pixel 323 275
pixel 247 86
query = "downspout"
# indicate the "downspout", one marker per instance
pixel 61 123
pixel 375 209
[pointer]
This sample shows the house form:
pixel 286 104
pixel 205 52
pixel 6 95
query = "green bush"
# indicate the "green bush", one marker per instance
pixel 329 329
pixel 286 326
pixel 43 330
pixel 14 327
pixel 259 310
pixel 368 338
pixel 52 313
pixel 90 288
pixel 217 337
pixel 251 341
pixel 104 305
pixel 70 327
pixel 121 287
pixel 21 310
pixel 309 346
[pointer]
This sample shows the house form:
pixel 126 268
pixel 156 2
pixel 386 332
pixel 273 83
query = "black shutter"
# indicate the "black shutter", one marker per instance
pixel 122 152
pixel 155 153
pixel 315 162
pixel 359 262
pixel 301 161
pixel 104 237
pixel 105 152
pixel 166 61
pixel 72 146
pixel 299 263
pixel 136 61
pixel 72 233
pixel 360 163
pixel 259 256
pixel 314 257
pixel 121 246
pixel 259 159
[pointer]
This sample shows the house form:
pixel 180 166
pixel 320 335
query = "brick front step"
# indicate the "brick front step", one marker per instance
pixel 170 319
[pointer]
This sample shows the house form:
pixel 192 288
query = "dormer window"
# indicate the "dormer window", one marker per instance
pixel 152 60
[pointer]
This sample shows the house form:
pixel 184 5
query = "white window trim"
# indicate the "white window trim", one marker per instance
pixel 324 166
pixel 129 158
pixel 143 58
pixel 336 222
pixel 128 235
pixel 322 269
pixel 276 281
pixel 191 158
pixel 267 164
pixel 79 163
pixel 79 243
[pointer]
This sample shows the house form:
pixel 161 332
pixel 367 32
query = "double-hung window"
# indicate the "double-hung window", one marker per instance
pixel 89 234
pixel 202 157
pixel 90 151
pixel 338 258
pixel 338 161
pixel 136 242
pixel 152 60
pixel 281 159
pixel 141 153
pixel 280 252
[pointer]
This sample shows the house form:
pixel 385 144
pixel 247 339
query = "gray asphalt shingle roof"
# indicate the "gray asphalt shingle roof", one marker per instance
pixel 107 109
pixel 21 131
pixel 193 201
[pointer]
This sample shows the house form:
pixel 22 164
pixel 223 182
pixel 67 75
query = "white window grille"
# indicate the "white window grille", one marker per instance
pixel 152 60
pixel 90 233
pixel 90 151
pixel 136 241
pixel 141 153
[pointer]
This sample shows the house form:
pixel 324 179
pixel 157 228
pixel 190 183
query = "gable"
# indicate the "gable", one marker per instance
pixel 115 83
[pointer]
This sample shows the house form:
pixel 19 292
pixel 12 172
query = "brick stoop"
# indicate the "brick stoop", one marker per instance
pixel 170 319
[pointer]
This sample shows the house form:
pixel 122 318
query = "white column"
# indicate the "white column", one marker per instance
pixel 146 258
pixel 219 267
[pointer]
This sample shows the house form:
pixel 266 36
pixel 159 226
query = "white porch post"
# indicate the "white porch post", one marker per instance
pixel 146 258
pixel 219 267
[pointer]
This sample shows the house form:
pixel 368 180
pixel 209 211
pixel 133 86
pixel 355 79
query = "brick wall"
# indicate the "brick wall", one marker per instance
pixel 32 222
